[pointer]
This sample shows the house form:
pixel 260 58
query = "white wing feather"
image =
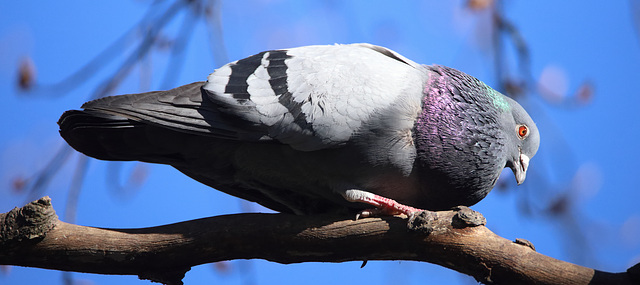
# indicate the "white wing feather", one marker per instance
pixel 331 92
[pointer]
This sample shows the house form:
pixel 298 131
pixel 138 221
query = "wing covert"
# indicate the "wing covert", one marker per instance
pixel 314 97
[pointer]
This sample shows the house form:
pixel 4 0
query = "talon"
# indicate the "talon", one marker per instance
pixel 367 213
pixel 364 262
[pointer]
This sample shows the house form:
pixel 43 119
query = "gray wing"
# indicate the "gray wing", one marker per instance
pixel 311 97
pixel 315 97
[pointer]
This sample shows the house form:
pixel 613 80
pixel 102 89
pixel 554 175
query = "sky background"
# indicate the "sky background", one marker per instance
pixel 580 202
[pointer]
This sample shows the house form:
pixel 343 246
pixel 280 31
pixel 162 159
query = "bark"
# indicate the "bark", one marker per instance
pixel 33 236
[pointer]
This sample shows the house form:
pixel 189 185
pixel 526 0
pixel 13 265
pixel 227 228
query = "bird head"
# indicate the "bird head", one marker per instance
pixel 523 137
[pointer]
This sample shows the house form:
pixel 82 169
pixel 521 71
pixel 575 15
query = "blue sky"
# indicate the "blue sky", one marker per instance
pixel 590 149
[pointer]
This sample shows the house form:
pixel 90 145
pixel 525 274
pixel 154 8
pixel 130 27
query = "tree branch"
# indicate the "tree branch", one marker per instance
pixel 33 236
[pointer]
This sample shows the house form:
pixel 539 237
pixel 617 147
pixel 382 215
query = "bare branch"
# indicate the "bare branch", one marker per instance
pixel 33 236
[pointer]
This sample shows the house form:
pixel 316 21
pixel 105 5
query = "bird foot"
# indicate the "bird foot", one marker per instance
pixel 384 207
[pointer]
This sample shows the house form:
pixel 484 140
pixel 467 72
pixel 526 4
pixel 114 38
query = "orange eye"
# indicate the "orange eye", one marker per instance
pixel 523 131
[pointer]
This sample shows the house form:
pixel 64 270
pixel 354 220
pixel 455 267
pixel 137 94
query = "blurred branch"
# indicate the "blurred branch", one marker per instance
pixel 148 21
pixel 635 16
pixel 33 236
pixel 512 86
pixel 216 40
pixel 555 200
pixel 176 59
pixel 41 179
pixel 150 37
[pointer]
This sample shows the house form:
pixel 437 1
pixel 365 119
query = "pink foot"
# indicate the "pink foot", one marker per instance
pixel 385 207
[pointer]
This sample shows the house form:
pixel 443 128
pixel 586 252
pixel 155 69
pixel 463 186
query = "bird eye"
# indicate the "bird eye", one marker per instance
pixel 523 131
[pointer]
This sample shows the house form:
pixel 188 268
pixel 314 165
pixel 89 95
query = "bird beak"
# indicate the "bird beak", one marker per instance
pixel 520 168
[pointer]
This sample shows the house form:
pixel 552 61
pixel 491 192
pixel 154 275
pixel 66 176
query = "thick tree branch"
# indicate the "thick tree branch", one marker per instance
pixel 33 236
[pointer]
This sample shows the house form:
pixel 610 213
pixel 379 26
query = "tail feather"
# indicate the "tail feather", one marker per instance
pixel 109 137
pixel 179 108
pixel 148 127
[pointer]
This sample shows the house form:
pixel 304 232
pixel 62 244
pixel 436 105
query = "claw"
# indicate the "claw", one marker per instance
pixel 368 213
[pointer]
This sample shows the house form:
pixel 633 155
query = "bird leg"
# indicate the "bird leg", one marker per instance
pixel 383 206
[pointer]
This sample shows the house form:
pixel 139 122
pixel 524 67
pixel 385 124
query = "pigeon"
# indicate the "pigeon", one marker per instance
pixel 320 129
